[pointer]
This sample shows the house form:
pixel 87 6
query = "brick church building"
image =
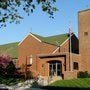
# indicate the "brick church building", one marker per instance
pixel 60 55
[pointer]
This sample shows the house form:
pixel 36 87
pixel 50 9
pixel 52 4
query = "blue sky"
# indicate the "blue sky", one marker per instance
pixel 41 24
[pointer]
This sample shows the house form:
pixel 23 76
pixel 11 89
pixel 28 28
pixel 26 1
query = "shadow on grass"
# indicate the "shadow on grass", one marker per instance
pixel 63 88
pixel 3 89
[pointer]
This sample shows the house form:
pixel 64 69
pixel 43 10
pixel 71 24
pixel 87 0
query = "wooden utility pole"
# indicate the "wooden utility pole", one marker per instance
pixel 26 68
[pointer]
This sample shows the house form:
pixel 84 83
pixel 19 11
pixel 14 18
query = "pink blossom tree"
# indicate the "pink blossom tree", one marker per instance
pixel 7 68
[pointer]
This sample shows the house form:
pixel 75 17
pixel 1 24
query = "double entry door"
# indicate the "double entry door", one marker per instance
pixel 55 68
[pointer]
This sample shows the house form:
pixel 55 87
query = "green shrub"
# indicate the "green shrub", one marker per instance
pixel 88 75
pixel 82 74
pixel 29 75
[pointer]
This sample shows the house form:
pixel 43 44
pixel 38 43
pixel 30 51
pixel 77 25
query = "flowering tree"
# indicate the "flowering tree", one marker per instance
pixel 7 68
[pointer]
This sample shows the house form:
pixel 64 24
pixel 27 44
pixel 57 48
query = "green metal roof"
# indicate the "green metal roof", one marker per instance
pixel 55 40
pixel 12 48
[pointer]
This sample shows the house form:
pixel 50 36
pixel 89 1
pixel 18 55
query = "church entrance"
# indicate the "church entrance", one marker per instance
pixel 55 68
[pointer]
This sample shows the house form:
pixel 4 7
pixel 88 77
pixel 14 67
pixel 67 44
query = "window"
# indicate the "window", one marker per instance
pixel 75 65
pixel 85 33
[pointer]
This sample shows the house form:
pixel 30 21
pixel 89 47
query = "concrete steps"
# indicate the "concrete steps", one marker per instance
pixel 48 80
pixel 55 78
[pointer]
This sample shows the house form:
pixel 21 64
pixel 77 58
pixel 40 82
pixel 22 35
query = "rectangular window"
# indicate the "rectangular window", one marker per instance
pixel 85 33
pixel 75 65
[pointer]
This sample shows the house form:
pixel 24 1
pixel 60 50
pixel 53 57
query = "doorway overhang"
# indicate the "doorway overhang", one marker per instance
pixel 52 55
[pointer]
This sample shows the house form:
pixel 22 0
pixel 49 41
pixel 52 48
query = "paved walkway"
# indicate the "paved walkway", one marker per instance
pixel 29 89
pixel 19 88
pixel 26 87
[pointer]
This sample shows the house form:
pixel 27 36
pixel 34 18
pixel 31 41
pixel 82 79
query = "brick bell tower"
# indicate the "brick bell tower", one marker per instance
pixel 84 39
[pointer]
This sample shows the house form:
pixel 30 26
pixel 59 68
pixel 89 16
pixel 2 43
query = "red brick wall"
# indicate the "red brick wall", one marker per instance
pixel 84 40
pixel 70 75
pixel 65 46
pixel 44 61
pixel 76 58
pixel 44 70
pixel 31 46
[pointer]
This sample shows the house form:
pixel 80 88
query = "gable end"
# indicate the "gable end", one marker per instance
pixel 32 36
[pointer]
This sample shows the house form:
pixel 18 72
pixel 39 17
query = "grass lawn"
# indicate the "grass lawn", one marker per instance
pixel 73 83
pixel 77 84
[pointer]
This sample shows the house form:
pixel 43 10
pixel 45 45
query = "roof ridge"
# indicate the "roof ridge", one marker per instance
pixel 36 34
pixel 50 35
pixel 54 39
pixel 56 35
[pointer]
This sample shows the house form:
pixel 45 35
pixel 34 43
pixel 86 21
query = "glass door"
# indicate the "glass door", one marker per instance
pixel 59 68
pixel 55 68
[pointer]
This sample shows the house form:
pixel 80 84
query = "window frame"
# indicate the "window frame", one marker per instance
pixel 85 33
pixel 75 66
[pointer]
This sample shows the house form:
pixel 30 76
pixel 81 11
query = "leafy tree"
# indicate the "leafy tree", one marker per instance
pixel 9 9
pixel 10 69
